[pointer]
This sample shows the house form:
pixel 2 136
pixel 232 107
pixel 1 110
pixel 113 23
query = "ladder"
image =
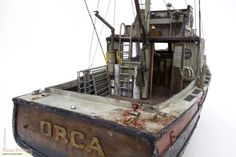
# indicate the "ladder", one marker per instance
pixel 126 68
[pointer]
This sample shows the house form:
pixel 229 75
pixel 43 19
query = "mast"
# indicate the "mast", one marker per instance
pixel 200 42
pixel 200 20
pixel 147 14
pixel 144 27
pixel 140 21
pixel 146 50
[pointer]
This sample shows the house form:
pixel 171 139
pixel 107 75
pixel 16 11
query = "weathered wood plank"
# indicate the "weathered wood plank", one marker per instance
pixel 62 136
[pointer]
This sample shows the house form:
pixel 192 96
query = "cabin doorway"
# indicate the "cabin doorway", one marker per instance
pixel 162 68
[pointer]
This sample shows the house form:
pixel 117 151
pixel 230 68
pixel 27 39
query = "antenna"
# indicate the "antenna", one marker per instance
pixel 200 20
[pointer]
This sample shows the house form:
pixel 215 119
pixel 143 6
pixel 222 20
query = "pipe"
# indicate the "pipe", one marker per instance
pixel 109 26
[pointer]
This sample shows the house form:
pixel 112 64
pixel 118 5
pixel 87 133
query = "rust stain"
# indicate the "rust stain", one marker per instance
pixel 38 94
pixel 132 117
pixel 137 106
pixel 167 120
pixel 172 134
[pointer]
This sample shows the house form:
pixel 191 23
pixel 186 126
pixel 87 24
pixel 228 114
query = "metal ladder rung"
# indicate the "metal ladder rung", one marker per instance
pixel 128 52
pixel 127 67
pixel 126 81
pixel 126 88
pixel 125 74
pixel 125 59
pixel 132 62
pixel 125 44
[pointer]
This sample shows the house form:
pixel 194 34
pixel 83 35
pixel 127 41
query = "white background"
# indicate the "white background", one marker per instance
pixel 45 42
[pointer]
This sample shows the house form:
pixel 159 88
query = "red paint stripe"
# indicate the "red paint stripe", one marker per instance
pixel 166 140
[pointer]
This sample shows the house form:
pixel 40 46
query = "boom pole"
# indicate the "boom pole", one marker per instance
pixel 140 21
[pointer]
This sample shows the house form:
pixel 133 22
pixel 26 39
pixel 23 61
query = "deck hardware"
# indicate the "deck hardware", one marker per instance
pixel 73 107
pixel 36 92
pixel 45 94
pixel 25 126
pixel 196 91
pixel 189 98
pixel 137 106
pixel 172 136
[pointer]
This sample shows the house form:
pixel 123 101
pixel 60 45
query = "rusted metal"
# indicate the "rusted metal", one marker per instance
pixel 137 106
pixel 172 136
pixel 132 117
pixel 167 120
pixel 37 94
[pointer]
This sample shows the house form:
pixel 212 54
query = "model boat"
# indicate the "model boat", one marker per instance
pixel 145 102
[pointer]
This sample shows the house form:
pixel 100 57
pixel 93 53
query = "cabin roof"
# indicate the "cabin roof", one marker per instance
pixel 159 39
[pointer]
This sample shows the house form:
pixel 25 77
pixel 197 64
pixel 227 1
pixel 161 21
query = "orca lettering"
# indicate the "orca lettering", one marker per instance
pixel 75 138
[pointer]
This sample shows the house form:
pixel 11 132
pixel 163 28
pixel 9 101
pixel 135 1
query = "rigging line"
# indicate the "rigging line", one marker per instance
pixel 186 2
pixel 195 15
pixel 200 38
pixel 202 30
pixel 101 32
pixel 114 14
pixel 165 4
pixel 92 36
pixel 132 3
pixel 94 28
pixel 200 18
pixel 141 4
pixel 90 48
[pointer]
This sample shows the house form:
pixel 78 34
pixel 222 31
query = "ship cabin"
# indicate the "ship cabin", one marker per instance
pixel 149 61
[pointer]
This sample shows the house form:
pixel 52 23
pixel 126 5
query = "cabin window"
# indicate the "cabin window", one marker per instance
pixel 161 46
pixel 136 47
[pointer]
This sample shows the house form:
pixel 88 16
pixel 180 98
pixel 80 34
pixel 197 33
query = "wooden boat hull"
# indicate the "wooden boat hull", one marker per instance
pixel 49 131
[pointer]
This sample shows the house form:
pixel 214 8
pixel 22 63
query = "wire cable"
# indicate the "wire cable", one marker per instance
pixel 114 14
pixel 92 36
pixel 100 33
pixel 94 28
pixel 195 15
pixel 132 3
pixel 165 3
pixel 186 2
